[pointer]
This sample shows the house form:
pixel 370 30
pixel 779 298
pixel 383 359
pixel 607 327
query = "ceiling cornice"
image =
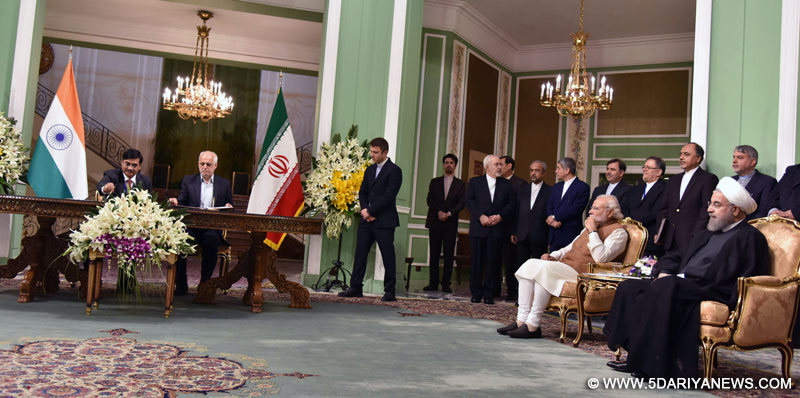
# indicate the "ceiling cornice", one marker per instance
pixel 462 19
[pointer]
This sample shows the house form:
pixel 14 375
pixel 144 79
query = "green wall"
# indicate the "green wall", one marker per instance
pixel 743 83
pixel 361 87
pixel 9 13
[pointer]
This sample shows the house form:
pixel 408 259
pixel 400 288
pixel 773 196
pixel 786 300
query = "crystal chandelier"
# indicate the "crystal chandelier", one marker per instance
pixel 579 97
pixel 199 97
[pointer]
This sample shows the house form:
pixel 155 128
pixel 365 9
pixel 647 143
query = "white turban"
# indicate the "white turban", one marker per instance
pixel 737 195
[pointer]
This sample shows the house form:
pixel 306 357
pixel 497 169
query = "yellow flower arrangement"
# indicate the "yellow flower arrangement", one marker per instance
pixel 333 185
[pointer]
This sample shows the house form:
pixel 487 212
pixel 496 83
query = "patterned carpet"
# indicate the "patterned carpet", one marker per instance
pixel 122 366
pixel 117 366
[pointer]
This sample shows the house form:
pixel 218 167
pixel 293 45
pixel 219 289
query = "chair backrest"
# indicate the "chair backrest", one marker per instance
pixel 637 238
pixel 783 239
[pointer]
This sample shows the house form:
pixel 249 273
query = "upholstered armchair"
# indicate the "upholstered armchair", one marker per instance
pixel 597 301
pixel 766 310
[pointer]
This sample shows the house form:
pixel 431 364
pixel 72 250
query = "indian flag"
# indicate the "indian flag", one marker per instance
pixel 58 166
pixel 277 190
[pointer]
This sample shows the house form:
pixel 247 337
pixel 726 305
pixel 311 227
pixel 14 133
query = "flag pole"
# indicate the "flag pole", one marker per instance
pixel 70 52
pixel 280 79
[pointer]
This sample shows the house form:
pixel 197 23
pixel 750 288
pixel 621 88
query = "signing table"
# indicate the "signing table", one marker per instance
pixel 42 252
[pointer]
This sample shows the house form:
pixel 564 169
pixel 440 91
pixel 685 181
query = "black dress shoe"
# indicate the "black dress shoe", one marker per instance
pixel 619 366
pixel 488 300
pixel 447 289
pixel 388 297
pixel 475 299
pixel 181 292
pixel 505 329
pixel 351 292
pixel 522 332
pixel 430 288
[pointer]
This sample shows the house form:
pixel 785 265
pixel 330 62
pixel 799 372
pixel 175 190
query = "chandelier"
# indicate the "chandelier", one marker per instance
pixel 199 97
pixel 579 97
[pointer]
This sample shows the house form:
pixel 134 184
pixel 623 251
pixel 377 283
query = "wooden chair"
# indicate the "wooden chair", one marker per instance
pixel 597 302
pixel 766 310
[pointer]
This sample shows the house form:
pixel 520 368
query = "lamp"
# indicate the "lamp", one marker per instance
pixel 579 97
pixel 199 97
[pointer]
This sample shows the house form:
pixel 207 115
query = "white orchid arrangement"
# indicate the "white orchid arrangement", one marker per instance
pixel 14 157
pixel 134 227
pixel 333 185
pixel 643 267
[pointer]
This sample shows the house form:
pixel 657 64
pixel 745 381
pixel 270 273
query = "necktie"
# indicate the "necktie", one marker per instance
pixel 130 184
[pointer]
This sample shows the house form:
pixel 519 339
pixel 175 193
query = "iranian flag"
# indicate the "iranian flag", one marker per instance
pixel 58 166
pixel 277 190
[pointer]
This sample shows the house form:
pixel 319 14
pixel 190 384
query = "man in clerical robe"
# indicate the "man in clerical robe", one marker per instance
pixel 603 239
pixel 658 321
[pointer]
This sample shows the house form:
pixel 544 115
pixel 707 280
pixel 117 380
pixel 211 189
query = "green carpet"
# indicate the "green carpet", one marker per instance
pixel 334 349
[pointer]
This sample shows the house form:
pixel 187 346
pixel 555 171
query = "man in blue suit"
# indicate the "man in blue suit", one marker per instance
pixel 760 186
pixel 203 190
pixel 565 206
pixel 490 200
pixel 378 199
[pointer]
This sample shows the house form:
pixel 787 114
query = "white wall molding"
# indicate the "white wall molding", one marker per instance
pixel 462 19
pixel 181 39
pixel 327 82
pixel 702 65
pixel 787 92
pixel 18 97
pixel 395 75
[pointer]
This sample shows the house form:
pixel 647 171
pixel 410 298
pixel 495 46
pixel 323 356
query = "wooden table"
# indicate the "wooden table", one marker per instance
pixel 42 252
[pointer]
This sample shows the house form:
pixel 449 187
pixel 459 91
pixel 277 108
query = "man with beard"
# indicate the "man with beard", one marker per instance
pixel 658 321
pixel 603 239
pixel 445 200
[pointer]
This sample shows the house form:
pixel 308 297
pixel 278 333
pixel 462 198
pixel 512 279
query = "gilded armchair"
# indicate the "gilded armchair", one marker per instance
pixel 597 301
pixel 766 310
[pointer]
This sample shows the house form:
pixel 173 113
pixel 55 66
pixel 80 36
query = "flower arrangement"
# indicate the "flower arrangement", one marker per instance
pixel 643 267
pixel 139 230
pixel 333 184
pixel 13 155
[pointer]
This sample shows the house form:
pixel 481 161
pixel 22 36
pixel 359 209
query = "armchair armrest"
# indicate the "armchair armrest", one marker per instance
pixel 607 267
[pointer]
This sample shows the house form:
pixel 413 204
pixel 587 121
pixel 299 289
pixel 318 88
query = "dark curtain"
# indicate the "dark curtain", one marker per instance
pixel 179 142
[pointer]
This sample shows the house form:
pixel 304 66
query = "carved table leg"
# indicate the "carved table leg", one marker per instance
pixel 265 266
pixel 34 254
pixel 582 288
pixel 206 291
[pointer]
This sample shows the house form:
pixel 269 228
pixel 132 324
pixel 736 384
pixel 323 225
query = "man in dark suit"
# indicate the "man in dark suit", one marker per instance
pixel 787 195
pixel 615 170
pixel 530 229
pixel 508 166
pixel 490 202
pixel 204 190
pixel 445 200
pixel 685 200
pixel 116 182
pixel 378 199
pixel 646 200
pixel 565 205
pixel 760 186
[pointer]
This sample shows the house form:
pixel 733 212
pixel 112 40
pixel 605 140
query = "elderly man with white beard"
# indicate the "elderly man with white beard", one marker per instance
pixel 603 239
pixel 658 321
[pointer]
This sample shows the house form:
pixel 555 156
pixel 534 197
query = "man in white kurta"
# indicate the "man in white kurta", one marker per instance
pixel 603 239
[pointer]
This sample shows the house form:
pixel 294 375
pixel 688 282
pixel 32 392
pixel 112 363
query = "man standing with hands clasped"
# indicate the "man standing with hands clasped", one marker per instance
pixel 378 199
pixel 445 201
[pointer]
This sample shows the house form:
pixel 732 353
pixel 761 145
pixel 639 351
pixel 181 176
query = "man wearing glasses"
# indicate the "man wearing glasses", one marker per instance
pixel 647 198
